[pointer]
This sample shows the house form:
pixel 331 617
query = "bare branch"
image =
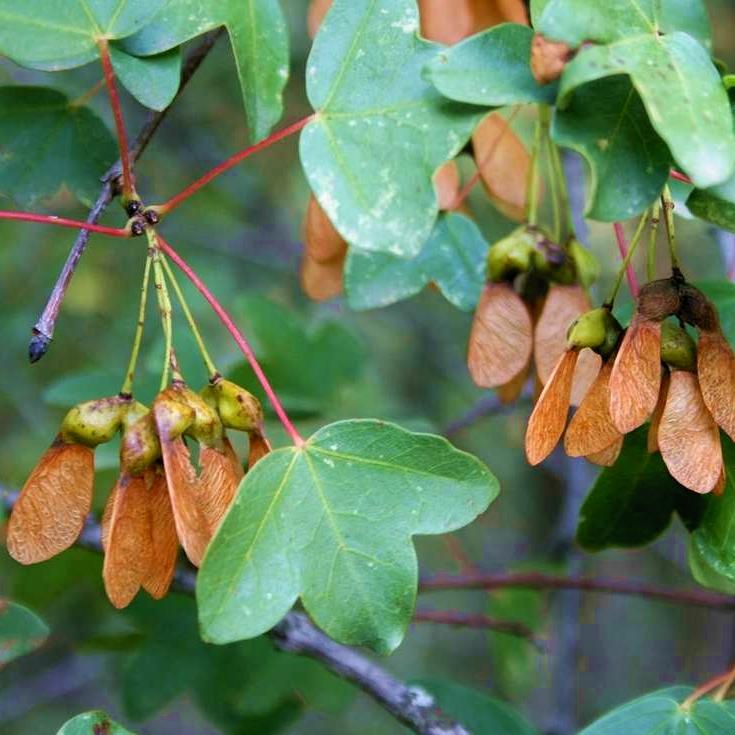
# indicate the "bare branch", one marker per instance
pixel 43 330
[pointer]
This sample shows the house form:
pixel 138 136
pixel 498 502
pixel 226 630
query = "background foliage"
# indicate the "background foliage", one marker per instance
pixel 147 666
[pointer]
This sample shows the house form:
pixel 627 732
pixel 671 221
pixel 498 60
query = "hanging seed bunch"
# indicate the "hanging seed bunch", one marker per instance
pixel 654 370
pixel 159 501
pixel 535 289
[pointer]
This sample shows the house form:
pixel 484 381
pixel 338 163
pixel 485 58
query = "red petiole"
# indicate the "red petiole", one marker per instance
pixel 237 335
pixel 47 219
pixel 122 138
pixel 623 247
pixel 233 160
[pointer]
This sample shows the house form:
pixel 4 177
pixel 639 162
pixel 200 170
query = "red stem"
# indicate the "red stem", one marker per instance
pixel 233 160
pixel 122 138
pixel 242 343
pixel 623 247
pixel 47 219
pixel 680 177
pixel 462 619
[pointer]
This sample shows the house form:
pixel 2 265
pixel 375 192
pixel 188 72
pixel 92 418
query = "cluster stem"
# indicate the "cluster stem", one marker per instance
pixel 127 387
pixel 164 305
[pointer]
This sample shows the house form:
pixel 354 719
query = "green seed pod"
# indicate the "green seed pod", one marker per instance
pixel 588 329
pixel 140 447
pixel 585 263
pixel 206 426
pixel 677 348
pixel 658 300
pixel 172 415
pixel 597 329
pixel 239 409
pixel 94 422
pixel 511 255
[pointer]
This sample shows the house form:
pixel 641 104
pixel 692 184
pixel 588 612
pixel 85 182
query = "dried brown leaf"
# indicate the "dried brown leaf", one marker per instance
pixel 549 416
pixel 449 21
pixel 185 493
pixel 636 375
pixel 56 498
pixel 322 281
pixel 688 436
pixel 716 370
pixel 447 184
pixel 562 306
pixel 317 10
pixel 164 543
pixel 608 456
pixel 658 412
pixel 259 447
pixel 548 59
pixel 221 474
pixel 591 429
pixel 128 550
pixel 588 368
pixel 501 339
pixel 503 163
pixel 322 242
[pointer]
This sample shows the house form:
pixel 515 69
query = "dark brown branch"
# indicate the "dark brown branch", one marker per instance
pixel 538 581
pixel 43 330
pixel 297 634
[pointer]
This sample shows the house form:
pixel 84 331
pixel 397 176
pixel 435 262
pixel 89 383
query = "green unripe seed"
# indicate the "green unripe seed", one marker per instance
pixel 140 446
pixel 94 422
pixel 585 263
pixel 173 416
pixel 238 408
pixel 677 348
pixel 511 255
pixel 589 329
pixel 206 426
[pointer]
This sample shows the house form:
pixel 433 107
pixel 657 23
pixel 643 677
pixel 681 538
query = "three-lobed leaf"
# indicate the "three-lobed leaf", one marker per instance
pixel 716 204
pixel 380 130
pixel 331 522
pixel 628 161
pixel 21 631
pixel 699 127
pixel 259 38
pixel 48 142
pixel 153 81
pixel 453 258
pixel 491 69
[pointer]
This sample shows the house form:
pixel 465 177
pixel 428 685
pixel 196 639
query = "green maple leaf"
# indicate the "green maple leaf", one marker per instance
pixel 46 142
pixel 259 38
pixel 660 47
pixel 21 631
pixel 453 257
pixel 661 712
pixel 380 130
pixel 90 723
pixel 607 123
pixel 331 522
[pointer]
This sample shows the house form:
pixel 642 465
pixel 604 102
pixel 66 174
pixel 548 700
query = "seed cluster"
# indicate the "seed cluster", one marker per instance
pixel 159 499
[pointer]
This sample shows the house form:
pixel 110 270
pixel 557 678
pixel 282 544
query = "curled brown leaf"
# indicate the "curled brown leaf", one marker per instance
pixel 548 59
pixel 562 306
pixel 56 498
pixel 716 370
pixel 549 416
pixel 688 436
pixel 164 543
pixel 322 281
pixel 636 375
pixel 501 339
pixel 591 429
pixel 447 184
pixel 503 163
pixel 128 549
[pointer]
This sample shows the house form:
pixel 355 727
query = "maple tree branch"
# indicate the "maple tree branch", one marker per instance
pixel 43 330
pixel 296 634
pixel 541 581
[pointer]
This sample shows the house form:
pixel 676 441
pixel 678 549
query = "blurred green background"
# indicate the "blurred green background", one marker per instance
pixel 406 363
